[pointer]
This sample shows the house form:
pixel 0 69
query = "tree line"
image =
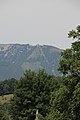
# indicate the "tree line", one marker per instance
pixel 7 86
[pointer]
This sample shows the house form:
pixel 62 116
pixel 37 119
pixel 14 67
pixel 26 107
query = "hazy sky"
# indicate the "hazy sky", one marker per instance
pixel 38 21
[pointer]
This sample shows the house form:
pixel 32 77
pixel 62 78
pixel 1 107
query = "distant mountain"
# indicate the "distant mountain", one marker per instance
pixel 16 58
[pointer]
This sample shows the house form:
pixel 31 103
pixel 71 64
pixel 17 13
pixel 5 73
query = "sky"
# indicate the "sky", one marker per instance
pixel 38 21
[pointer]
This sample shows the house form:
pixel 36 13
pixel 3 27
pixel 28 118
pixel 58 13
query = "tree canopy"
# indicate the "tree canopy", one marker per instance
pixel 7 86
pixel 33 92
pixel 70 63
pixel 65 101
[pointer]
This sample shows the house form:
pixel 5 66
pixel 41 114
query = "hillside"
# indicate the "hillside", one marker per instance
pixel 6 98
pixel 16 58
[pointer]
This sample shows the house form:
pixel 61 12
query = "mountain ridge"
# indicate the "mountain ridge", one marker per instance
pixel 16 58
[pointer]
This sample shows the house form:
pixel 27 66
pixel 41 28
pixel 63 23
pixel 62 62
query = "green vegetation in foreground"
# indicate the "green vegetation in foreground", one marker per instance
pixel 65 102
pixel 33 92
pixel 7 86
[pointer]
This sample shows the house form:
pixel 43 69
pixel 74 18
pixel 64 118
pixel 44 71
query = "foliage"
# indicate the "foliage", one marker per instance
pixel 70 63
pixel 33 92
pixel 65 101
pixel 7 86
pixel 3 113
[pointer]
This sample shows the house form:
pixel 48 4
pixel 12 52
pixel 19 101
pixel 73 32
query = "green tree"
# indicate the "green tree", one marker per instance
pixel 4 115
pixel 65 101
pixel 7 86
pixel 70 63
pixel 33 92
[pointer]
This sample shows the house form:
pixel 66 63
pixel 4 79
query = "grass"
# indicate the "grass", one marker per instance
pixel 6 98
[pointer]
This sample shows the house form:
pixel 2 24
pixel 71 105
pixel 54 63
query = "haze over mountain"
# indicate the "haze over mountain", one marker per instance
pixel 16 58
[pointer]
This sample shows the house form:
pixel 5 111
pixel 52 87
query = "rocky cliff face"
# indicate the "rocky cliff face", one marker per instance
pixel 16 58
